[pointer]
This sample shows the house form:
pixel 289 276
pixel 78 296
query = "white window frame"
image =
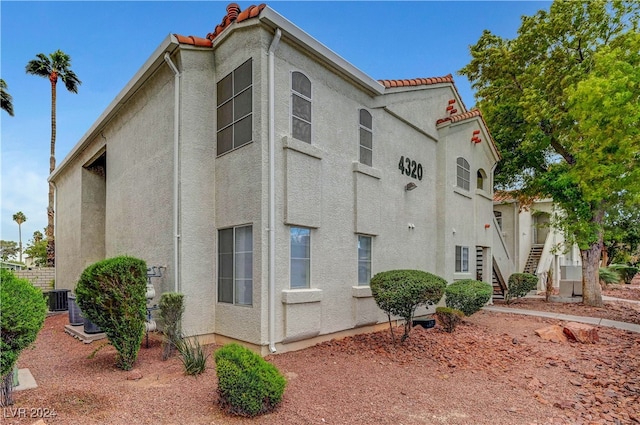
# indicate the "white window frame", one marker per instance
pixel 236 279
pixel 304 97
pixel 462 259
pixel 293 260
pixel 234 120
pixel 363 128
pixel 463 173
pixel 366 262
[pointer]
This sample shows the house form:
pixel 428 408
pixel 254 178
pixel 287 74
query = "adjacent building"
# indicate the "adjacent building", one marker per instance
pixel 272 178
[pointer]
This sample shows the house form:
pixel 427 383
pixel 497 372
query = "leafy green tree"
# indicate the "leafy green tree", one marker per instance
pixel 8 250
pixel 622 238
pixel 53 67
pixel 562 101
pixel 5 98
pixel 37 249
pixel 19 218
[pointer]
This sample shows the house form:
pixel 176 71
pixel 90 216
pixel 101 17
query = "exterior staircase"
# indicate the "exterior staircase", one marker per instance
pixel 533 259
pixel 499 282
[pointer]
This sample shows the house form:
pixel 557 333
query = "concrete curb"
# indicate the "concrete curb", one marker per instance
pixel 568 318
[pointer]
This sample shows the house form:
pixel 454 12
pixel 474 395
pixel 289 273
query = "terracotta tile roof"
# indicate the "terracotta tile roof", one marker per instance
pixel 233 15
pixel 416 81
pixel 194 41
pixel 460 117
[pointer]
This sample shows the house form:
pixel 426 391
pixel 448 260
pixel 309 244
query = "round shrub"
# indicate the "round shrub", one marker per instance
pixel 519 285
pixel 23 312
pixel 449 318
pixel 111 293
pixel 247 384
pixel 468 295
pixel 400 292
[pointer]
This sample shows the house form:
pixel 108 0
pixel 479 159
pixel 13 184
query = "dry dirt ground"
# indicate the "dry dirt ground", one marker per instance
pixel 492 370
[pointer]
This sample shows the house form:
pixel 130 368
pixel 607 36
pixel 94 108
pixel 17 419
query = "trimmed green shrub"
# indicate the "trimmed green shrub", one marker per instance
pixel 171 308
pixel 247 384
pixel 23 312
pixel 626 272
pixel 111 293
pixel 519 285
pixel 468 295
pixel 192 356
pixel 448 318
pixel 608 276
pixel 400 292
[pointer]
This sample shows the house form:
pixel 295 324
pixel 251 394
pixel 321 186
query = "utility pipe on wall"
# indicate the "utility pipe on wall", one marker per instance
pixel 272 198
pixel 176 175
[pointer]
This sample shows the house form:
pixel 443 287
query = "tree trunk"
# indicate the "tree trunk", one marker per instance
pixel 6 389
pixel 20 239
pixel 591 294
pixel 51 252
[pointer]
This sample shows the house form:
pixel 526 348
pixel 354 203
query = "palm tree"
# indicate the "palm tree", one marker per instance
pixel 19 218
pixel 7 100
pixel 56 65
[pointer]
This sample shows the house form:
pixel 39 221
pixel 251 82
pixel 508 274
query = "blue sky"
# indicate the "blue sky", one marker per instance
pixel 108 41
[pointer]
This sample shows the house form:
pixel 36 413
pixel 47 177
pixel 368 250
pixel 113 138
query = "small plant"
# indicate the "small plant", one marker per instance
pixel 468 295
pixel 248 385
pixel 23 312
pixel 111 293
pixel 400 292
pixel 192 355
pixel 171 309
pixel 626 272
pixel 519 285
pixel 608 276
pixel 449 318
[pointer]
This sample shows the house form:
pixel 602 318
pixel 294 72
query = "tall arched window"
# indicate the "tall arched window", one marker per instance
pixel 462 173
pixel 366 137
pixel 300 107
pixel 481 177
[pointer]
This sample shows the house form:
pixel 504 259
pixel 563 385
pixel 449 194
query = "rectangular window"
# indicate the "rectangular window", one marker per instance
pixel 462 259
pixel 364 260
pixel 234 114
pixel 366 138
pixel 300 258
pixel 235 265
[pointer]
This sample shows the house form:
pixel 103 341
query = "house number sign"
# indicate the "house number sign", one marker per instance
pixel 409 167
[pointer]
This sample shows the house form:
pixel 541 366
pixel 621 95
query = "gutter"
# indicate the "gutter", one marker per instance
pixel 176 173
pixel 272 198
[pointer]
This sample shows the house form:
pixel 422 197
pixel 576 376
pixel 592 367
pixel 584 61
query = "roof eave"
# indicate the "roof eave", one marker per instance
pixel 274 20
pixel 168 45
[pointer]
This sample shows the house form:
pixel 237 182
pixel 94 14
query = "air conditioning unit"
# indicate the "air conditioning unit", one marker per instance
pixel 58 300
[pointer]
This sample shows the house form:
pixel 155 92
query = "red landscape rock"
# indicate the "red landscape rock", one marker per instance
pixel 581 332
pixel 551 333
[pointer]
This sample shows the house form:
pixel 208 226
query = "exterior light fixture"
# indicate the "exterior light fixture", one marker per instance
pixel 410 186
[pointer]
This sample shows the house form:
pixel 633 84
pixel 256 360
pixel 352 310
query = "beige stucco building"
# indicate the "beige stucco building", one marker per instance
pixel 272 179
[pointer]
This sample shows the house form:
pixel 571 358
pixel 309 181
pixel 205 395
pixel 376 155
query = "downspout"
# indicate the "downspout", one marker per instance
pixel 55 227
pixel 272 196
pixel 176 173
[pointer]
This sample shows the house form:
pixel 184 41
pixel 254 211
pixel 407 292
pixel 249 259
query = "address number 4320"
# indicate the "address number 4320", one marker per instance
pixel 411 168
